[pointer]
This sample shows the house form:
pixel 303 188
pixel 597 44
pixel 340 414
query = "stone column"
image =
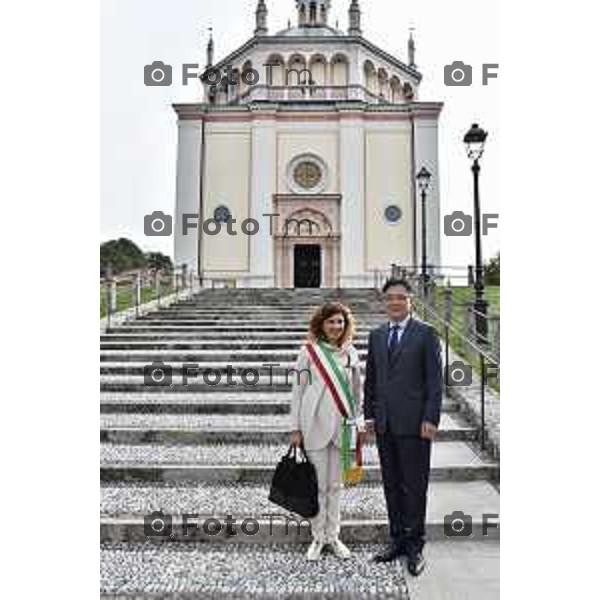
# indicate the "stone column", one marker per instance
pixel 352 209
pixel 262 188
pixel 189 152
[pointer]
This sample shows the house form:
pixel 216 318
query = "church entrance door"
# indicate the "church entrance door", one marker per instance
pixel 307 266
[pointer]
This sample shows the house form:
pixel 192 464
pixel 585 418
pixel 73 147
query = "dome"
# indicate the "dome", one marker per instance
pixel 311 31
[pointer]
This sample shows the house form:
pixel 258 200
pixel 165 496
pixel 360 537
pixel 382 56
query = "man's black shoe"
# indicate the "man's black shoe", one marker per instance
pixel 391 553
pixel 416 564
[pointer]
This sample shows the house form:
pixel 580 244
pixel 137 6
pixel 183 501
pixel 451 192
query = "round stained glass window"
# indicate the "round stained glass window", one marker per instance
pixel 308 174
pixel 393 213
pixel 222 214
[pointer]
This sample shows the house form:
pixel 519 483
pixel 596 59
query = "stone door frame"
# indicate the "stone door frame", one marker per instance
pixel 323 210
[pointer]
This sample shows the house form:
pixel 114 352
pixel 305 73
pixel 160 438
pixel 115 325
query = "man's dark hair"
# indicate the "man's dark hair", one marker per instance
pixel 392 282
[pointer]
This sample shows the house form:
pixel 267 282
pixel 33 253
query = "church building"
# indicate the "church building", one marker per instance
pixel 310 139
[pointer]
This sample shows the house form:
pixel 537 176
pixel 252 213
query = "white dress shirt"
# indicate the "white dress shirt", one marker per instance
pixel 402 325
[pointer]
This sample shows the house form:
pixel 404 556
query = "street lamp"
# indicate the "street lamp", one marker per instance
pixel 475 141
pixel 423 179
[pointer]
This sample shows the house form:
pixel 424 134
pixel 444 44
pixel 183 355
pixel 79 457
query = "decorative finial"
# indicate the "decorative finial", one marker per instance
pixel 354 19
pixel 210 48
pixel 261 18
pixel 411 49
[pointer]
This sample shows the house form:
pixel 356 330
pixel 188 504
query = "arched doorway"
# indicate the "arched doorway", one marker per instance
pixel 307 240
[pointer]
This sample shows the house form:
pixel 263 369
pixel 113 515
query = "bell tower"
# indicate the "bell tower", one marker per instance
pixel 313 13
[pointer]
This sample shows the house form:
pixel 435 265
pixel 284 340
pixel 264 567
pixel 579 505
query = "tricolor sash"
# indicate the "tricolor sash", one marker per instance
pixel 339 389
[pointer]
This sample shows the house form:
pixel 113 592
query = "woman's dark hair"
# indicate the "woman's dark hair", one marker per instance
pixel 392 282
pixel 324 312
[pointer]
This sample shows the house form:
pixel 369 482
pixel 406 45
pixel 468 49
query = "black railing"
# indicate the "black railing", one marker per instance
pixel 480 364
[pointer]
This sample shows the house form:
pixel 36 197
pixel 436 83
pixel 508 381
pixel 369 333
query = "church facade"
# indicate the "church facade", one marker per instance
pixel 304 152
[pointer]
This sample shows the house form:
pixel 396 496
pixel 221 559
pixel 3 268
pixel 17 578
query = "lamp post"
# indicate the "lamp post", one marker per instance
pixel 423 179
pixel 475 141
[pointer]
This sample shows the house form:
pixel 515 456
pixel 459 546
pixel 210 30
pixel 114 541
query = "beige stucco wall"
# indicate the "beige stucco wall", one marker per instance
pixel 226 181
pixel 308 140
pixel 388 171
pixel 387 181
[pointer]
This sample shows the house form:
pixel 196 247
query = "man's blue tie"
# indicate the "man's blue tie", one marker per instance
pixel 393 341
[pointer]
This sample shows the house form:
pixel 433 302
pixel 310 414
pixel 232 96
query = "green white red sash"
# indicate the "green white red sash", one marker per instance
pixel 337 384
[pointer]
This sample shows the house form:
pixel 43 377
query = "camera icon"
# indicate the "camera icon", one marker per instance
pixel 158 74
pixel 458 524
pixel 458 374
pixel 458 74
pixel 158 224
pixel 458 224
pixel 157 524
pixel 158 374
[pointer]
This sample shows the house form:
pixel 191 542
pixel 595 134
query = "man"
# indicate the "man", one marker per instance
pixel 402 403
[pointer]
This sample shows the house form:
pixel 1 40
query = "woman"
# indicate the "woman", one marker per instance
pixel 327 382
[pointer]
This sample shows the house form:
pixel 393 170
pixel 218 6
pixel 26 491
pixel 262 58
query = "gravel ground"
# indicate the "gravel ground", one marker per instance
pixel 116 397
pixel 204 454
pixel 239 499
pixel 446 453
pixel 246 571
pixel 215 421
pixel 187 421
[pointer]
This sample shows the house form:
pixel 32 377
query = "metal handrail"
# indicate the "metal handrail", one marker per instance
pixel 178 281
pixel 484 357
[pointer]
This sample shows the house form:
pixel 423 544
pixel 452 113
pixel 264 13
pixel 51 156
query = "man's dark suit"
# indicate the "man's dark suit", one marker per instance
pixel 401 392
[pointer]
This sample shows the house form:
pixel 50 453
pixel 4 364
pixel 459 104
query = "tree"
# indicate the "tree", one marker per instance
pixel 119 256
pixel 491 271
pixel 159 261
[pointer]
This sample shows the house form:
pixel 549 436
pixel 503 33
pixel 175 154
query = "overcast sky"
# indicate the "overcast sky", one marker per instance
pixel 138 126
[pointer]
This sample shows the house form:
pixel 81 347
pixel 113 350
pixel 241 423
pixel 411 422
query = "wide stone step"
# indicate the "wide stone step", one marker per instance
pixel 123 333
pixel 178 403
pixel 258 293
pixel 275 303
pixel 302 309
pixel 176 571
pixel 246 381
pixel 293 300
pixel 451 461
pixel 242 354
pixel 200 370
pixel 222 320
pixel 224 403
pixel 123 507
pixel 243 319
pixel 278 329
pixel 193 344
pixel 197 429
pixel 243 316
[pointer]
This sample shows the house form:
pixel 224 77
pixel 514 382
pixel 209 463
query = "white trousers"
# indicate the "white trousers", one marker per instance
pixel 326 525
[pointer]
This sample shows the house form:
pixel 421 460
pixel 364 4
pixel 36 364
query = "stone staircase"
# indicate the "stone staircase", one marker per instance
pixel 211 449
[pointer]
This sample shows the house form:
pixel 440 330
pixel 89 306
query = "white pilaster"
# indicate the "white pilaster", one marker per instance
pixel 189 151
pixel 263 181
pixel 426 155
pixel 352 187
pixel 354 77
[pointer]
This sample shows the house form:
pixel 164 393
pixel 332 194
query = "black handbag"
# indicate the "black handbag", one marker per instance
pixel 294 486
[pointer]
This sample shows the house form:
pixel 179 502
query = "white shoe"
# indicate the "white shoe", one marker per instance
pixel 314 550
pixel 340 549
